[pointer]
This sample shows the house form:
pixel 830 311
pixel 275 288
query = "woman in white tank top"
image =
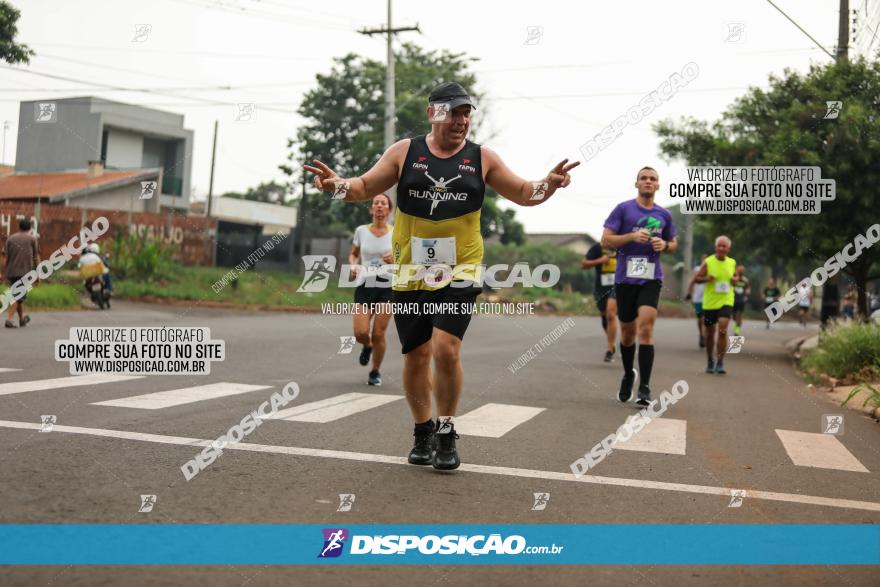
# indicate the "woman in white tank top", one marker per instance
pixel 369 259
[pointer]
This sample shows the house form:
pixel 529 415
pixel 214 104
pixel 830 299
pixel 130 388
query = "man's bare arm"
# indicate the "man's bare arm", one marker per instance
pixel 612 240
pixel 380 178
pixel 590 263
pixel 516 189
pixel 702 275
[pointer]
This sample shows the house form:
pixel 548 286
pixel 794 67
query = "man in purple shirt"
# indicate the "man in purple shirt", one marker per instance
pixel 639 230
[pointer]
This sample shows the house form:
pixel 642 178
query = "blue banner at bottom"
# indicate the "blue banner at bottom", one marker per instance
pixel 482 544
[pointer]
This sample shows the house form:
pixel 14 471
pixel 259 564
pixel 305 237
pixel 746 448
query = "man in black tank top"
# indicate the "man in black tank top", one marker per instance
pixel 441 179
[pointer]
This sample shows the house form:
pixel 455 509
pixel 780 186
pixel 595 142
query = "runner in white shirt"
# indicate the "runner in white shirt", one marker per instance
pixel 695 293
pixel 370 254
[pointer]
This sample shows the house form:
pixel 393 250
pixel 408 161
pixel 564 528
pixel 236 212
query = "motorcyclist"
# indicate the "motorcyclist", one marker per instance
pixel 92 263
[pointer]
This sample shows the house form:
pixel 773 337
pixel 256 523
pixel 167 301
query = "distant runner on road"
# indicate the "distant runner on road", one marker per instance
pixel 605 262
pixel 771 294
pixel 370 258
pixel 640 231
pixel 695 292
pixel 742 289
pixel 717 272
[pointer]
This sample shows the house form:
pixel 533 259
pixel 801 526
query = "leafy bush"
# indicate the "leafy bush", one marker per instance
pixel 135 257
pixel 847 350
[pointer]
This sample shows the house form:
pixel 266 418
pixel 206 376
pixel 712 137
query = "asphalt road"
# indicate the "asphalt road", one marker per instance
pixel 724 435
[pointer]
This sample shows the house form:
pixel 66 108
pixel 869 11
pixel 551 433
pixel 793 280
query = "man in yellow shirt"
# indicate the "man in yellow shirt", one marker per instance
pixel 717 273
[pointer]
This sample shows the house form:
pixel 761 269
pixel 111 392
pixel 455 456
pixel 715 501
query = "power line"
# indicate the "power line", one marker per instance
pixel 264 15
pixel 800 28
pixel 224 87
pixel 175 52
pixel 612 94
pixel 141 90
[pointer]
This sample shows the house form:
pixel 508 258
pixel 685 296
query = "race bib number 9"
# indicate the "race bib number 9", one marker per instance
pixel 607 279
pixel 722 286
pixel 431 251
pixel 639 268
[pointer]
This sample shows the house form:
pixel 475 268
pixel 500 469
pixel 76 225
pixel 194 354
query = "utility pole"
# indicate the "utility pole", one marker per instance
pixel 301 218
pixel 211 197
pixel 688 253
pixel 6 125
pixel 843 32
pixel 390 114
pixel 211 181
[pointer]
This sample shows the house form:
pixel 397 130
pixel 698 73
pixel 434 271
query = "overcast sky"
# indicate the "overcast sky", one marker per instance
pixel 545 98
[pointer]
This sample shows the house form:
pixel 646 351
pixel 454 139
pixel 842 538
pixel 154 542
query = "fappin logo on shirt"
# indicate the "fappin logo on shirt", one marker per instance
pixel 420 164
pixel 438 193
pixel 466 167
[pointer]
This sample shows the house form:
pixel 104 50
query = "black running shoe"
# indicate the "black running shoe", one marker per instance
pixel 365 355
pixel 608 356
pixel 445 454
pixel 644 395
pixel 424 439
pixel 375 378
pixel 719 368
pixel 626 387
pixel 710 366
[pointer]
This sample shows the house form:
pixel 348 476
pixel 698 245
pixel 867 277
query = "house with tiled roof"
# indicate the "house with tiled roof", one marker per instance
pixel 92 152
pixel 93 187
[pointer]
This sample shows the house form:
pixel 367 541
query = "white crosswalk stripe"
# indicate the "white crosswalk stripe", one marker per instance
pixel 334 408
pixel 179 397
pixel 491 420
pixel 494 420
pixel 61 382
pixel 823 451
pixel 662 435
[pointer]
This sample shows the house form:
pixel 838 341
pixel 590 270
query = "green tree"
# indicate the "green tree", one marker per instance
pixel 785 125
pixel 345 129
pixel 270 192
pixel 10 51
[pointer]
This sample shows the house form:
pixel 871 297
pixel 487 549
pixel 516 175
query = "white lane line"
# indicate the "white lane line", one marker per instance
pixel 663 435
pixel 823 451
pixel 178 397
pixel 494 420
pixel 485 469
pixel 72 381
pixel 8 369
pixel 334 408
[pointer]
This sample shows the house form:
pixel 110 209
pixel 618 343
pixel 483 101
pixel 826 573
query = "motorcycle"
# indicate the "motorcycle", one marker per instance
pixel 99 295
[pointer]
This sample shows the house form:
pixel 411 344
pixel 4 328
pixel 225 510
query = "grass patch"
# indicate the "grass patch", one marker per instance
pixel 250 288
pixel 849 350
pixel 51 296
pixel 549 299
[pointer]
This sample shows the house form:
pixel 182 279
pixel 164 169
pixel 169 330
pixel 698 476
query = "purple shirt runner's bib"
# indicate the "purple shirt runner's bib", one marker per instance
pixel 638 263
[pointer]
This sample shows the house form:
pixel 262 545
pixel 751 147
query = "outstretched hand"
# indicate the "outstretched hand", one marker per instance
pixel 558 176
pixel 325 178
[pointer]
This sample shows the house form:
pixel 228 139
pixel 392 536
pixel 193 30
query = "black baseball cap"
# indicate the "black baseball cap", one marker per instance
pixel 451 93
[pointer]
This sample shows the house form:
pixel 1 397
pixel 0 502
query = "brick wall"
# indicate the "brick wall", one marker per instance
pixel 191 236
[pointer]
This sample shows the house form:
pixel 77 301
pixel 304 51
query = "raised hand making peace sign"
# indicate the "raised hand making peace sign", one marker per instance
pixel 558 176
pixel 325 178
